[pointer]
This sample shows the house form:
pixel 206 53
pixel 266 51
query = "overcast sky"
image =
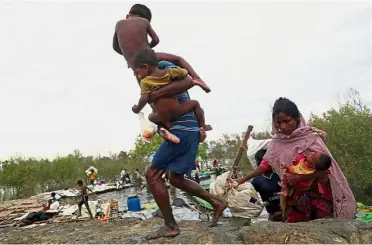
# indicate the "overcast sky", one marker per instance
pixel 62 87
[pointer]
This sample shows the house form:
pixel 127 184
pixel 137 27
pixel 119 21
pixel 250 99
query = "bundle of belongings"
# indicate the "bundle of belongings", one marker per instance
pixel 243 200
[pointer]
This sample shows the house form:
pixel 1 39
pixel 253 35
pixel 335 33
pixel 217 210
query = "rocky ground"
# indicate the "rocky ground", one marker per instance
pixel 133 231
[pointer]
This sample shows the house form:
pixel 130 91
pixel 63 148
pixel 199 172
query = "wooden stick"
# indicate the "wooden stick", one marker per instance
pixel 243 146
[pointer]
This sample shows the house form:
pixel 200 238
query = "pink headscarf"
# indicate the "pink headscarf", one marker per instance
pixel 305 139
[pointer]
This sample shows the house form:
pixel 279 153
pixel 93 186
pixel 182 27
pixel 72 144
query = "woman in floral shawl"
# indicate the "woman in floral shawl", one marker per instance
pixel 323 194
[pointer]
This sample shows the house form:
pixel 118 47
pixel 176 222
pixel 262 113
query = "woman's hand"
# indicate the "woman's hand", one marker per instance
pixel 293 179
pixel 229 181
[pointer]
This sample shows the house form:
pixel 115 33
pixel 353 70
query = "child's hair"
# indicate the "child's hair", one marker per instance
pixel 145 57
pixel 53 194
pixel 141 11
pixel 79 182
pixel 137 169
pixel 259 155
pixel 286 106
pixel 324 162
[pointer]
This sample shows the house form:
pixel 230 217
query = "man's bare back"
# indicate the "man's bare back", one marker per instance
pixel 132 36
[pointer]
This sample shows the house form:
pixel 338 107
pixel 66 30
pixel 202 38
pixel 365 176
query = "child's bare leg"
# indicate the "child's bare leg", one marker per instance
pixel 90 212
pixel 189 106
pixel 79 212
pixel 202 85
pixel 157 119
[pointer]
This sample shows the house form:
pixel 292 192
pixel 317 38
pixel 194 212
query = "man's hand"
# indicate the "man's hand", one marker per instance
pixel 135 109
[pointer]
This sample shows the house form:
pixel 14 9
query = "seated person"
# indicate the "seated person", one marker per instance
pixel 267 185
pixel 53 196
pixel 305 165
pixel 145 65
pixel 46 206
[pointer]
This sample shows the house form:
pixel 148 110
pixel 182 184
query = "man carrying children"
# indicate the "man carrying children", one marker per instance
pixel 178 158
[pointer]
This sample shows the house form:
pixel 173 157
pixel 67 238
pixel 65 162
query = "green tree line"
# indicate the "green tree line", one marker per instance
pixel 349 129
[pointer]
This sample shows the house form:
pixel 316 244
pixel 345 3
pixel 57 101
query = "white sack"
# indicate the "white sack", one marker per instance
pixel 238 197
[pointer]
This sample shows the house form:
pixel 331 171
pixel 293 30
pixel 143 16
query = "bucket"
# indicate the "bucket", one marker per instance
pixel 134 203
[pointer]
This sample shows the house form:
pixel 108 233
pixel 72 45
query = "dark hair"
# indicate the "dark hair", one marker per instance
pixel 80 182
pixel 259 155
pixel 141 11
pixel 145 57
pixel 53 194
pixel 286 106
pixel 324 162
pixel 137 169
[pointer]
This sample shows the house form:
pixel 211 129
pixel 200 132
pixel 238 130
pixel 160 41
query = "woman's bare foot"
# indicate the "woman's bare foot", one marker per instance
pixel 165 134
pixel 207 127
pixel 202 85
pixel 164 231
pixel 218 208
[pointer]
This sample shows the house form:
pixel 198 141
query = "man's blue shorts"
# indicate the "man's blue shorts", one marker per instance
pixel 177 158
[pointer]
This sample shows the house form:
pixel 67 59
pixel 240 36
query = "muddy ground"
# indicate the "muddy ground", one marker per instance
pixel 92 232
pixel 133 231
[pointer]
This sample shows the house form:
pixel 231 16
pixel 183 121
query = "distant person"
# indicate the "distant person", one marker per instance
pixel 53 196
pixel 46 206
pixel 216 167
pixel 197 171
pixel 268 187
pixel 124 176
pixel 84 198
pixel 92 177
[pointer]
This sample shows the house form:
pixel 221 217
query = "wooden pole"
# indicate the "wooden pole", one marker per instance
pixel 243 146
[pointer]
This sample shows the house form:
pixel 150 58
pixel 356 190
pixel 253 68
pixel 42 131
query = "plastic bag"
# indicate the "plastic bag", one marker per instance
pixel 148 129
pixel 238 197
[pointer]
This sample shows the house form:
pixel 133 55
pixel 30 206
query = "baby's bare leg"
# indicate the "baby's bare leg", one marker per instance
pixel 189 106
pixel 161 120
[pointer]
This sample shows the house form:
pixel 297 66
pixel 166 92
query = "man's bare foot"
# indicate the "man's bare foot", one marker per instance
pixel 165 134
pixel 164 231
pixel 202 135
pixel 218 209
pixel 207 127
pixel 202 85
